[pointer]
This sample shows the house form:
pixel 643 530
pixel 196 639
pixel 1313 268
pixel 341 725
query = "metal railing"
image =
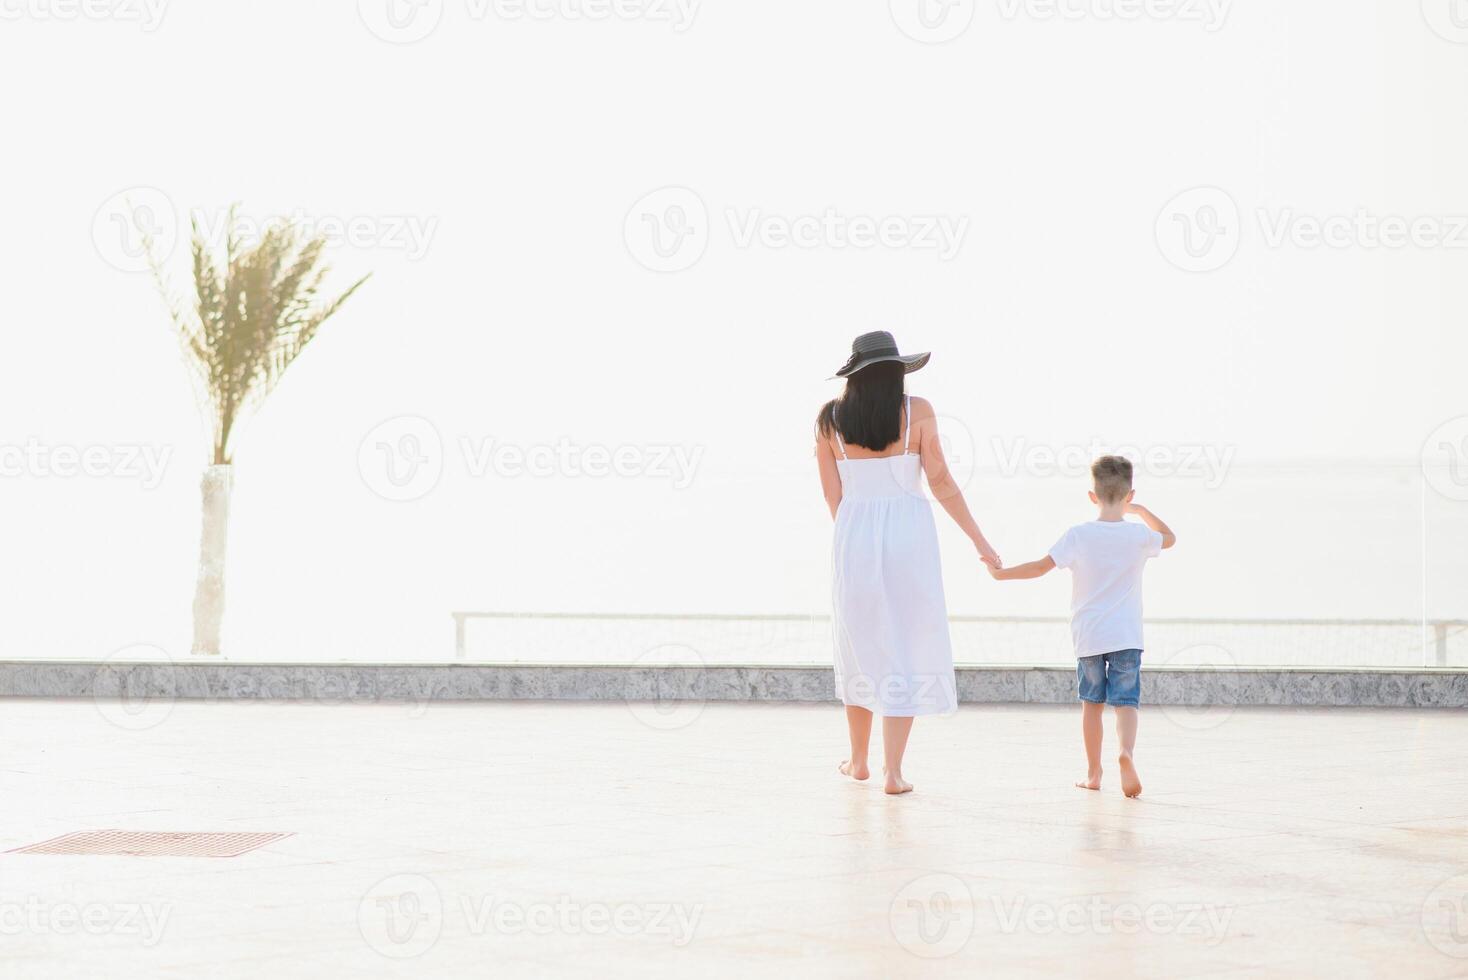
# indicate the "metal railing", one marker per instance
pixel 1440 629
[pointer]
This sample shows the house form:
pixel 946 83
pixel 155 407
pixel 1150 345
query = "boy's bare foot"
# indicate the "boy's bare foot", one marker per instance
pixel 1131 783
pixel 855 772
pixel 1092 781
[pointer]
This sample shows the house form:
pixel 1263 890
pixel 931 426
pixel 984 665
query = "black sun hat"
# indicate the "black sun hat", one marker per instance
pixel 875 347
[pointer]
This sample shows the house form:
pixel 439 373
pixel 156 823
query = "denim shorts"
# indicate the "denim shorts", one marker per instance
pixel 1110 678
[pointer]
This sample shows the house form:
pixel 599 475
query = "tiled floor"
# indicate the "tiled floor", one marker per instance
pixel 524 839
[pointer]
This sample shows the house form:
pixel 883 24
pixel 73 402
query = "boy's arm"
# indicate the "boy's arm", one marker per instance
pixel 1030 569
pixel 1154 522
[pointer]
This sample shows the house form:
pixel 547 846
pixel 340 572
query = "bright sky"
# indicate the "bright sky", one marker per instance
pixel 1021 199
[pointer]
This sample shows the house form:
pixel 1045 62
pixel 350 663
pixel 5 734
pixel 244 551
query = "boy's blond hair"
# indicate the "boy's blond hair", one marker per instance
pixel 1113 477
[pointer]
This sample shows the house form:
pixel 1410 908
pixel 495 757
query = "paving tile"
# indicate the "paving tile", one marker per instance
pixel 508 837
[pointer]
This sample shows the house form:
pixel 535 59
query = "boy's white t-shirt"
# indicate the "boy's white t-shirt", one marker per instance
pixel 1105 559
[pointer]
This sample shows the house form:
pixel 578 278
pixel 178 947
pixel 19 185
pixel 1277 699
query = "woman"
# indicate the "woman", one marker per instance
pixel 893 654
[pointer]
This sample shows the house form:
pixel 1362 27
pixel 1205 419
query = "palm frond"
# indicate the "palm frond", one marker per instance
pixel 254 310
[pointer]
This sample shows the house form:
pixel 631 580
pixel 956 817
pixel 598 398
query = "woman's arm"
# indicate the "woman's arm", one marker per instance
pixel 940 480
pixel 830 478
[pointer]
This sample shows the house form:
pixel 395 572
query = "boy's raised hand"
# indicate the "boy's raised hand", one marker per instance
pixel 1154 522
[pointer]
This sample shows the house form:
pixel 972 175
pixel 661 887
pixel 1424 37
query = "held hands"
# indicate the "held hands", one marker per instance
pixel 988 555
pixel 1024 570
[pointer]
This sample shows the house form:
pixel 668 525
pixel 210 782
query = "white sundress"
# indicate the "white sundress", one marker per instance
pixel 890 623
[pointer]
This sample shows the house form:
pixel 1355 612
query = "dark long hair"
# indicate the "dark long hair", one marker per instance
pixel 869 411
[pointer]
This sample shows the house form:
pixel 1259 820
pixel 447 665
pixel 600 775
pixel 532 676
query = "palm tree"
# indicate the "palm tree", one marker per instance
pixel 254 311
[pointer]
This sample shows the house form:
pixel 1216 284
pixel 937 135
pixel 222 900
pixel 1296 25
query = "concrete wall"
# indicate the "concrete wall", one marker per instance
pixel 393 682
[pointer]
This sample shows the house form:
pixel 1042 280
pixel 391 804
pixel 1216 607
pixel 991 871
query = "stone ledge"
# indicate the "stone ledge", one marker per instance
pixel 605 682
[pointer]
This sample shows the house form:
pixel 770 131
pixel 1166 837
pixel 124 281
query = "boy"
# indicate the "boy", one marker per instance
pixel 1106 557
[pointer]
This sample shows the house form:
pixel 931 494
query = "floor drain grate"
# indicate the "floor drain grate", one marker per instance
pixel 152 843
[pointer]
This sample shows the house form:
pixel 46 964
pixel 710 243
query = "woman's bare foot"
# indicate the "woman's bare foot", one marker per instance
pixel 855 772
pixel 1131 783
pixel 896 785
pixel 1092 781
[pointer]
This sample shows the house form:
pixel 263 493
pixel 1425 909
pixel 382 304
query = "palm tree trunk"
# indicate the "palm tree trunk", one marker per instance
pixel 209 592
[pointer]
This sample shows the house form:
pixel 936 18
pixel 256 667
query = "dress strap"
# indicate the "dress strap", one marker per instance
pixel 907 433
pixel 836 428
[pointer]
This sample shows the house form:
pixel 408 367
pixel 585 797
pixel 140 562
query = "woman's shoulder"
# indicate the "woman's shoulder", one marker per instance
pixel 921 408
pixel 826 419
